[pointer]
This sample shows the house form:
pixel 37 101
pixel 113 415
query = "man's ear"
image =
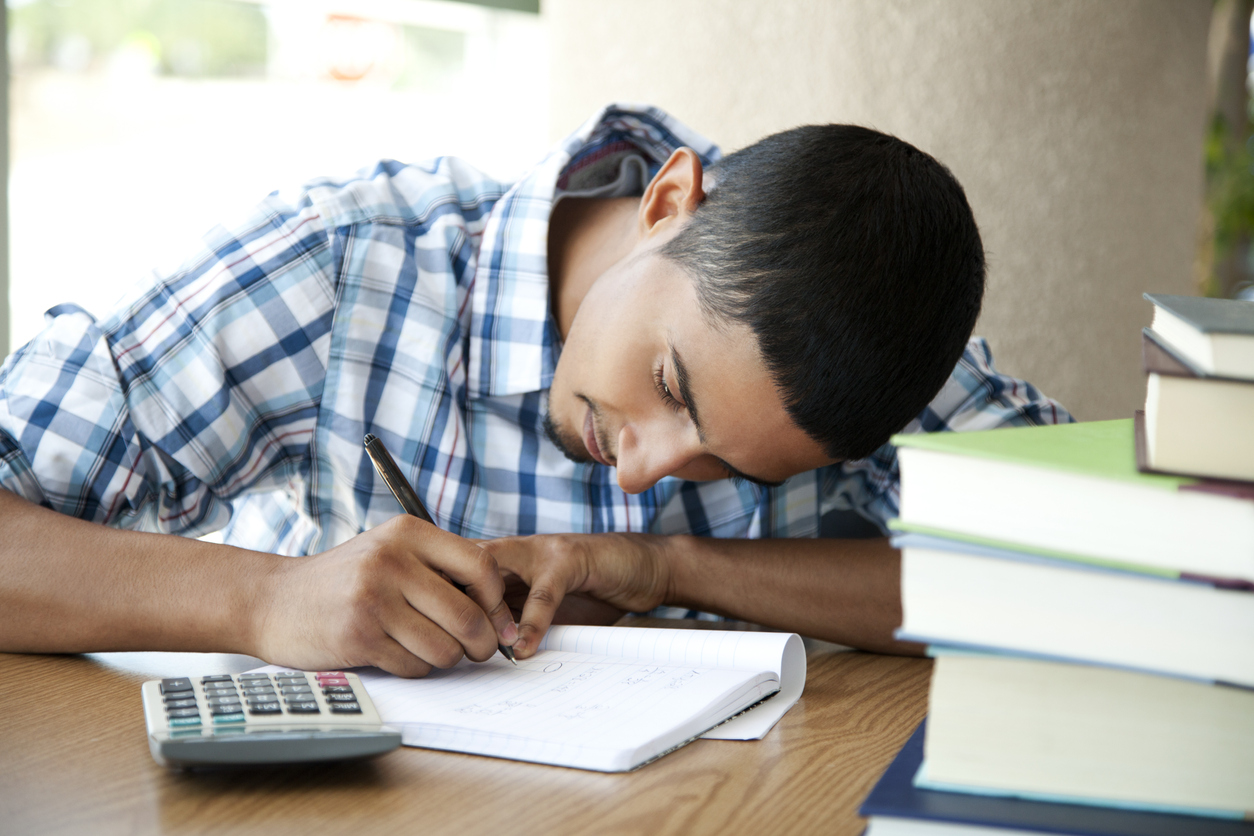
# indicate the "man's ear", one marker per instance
pixel 673 195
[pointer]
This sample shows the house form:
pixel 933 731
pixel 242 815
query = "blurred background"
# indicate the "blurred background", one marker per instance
pixel 1105 147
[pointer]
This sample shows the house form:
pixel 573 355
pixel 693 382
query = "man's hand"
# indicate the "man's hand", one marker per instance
pixel 581 578
pixel 384 598
pixel 843 591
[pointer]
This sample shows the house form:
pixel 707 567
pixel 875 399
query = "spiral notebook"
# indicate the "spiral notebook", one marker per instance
pixel 602 698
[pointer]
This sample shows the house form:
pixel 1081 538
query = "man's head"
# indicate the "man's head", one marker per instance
pixel 795 305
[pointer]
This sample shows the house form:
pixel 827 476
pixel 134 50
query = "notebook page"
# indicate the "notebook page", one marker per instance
pixel 782 653
pixel 569 709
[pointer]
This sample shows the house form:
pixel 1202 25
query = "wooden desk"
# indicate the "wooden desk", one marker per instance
pixel 74 759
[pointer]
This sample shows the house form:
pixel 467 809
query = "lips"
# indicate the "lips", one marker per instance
pixel 590 439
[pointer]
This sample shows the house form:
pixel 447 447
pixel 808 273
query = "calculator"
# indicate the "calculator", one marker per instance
pixel 251 719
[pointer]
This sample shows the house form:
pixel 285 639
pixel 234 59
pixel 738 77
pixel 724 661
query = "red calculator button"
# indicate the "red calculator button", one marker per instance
pixel 325 682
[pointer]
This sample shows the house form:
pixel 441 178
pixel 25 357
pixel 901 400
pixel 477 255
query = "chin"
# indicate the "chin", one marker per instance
pixel 566 440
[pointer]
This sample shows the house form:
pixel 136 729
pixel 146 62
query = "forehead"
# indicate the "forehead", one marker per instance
pixel 742 413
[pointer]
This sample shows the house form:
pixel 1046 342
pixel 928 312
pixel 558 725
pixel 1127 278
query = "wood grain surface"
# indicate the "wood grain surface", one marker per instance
pixel 74 759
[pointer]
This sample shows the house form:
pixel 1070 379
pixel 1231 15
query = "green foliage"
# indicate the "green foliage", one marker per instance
pixel 184 37
pixel 1229 194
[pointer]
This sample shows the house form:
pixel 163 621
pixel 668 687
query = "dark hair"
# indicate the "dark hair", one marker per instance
pixel 855 260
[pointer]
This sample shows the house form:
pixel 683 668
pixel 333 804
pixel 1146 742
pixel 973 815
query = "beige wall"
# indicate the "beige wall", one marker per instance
pixel 1075 126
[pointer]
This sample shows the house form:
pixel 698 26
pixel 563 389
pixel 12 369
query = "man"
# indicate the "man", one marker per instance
pixel 567 369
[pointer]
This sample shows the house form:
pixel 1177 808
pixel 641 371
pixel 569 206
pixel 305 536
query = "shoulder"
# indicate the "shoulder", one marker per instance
pixel 979 397
pixel 975 397
pixel 395 193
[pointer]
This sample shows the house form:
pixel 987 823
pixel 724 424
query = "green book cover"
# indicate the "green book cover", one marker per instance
pixel 1105 449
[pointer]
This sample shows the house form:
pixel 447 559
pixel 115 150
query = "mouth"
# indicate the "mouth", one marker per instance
pixel 590 439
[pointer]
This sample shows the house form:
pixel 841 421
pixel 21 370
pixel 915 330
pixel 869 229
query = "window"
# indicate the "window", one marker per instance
pixel 138 124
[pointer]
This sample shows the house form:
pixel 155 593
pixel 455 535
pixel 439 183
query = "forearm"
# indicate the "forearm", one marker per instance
pixel 72 586
pixel 844 591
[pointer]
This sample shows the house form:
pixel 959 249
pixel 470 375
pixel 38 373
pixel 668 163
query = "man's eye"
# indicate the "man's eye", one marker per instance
pixel 659 380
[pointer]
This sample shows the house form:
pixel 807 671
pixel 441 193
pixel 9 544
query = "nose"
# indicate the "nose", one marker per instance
pixel 646 454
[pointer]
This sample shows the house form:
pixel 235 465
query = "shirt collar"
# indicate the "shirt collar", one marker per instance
pixel 514 344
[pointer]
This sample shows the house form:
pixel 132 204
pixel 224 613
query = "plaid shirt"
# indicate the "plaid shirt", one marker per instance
pixel 411 302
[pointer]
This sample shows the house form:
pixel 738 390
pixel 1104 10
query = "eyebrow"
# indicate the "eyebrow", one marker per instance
pixel 685 393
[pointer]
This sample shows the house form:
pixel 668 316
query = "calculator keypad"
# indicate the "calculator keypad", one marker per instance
pixel 223 700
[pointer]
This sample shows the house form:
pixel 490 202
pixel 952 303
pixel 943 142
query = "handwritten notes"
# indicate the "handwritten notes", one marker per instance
pixel 603 698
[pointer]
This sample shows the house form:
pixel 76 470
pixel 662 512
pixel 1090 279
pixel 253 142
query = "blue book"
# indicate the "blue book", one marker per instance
pixel 896 797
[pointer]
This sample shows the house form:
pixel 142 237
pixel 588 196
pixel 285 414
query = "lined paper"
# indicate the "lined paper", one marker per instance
pixel 602 698
pixel 782 653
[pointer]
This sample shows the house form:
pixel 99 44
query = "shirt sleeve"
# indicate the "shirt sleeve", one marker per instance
pixel 202 385
pixel 976 397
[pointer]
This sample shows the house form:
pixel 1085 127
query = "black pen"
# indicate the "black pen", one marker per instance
pixel 408 498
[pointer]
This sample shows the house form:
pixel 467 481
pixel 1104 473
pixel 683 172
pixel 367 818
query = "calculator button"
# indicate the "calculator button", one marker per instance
pixel 259 692
pixel 254 677
pixel 222 694
pixel 182 712
pixel 329 674
pixel 345 708
pixel 180 701
pixel 337 689
pixel 341 698
pixel 333 681
pixel 303 707
pixel 264 708
pixel 229 718
pixel 227 708
pixel 185 721
pixel 205 680
pixel 175 685
pixel 224 698
pixel 295 690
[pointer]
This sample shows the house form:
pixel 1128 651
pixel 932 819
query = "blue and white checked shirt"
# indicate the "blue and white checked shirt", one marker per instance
pixel 411 302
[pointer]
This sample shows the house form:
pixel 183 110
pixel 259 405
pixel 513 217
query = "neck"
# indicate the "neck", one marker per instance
pixel 587 236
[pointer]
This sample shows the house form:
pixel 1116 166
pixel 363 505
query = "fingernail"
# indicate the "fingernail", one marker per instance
pixel 510 633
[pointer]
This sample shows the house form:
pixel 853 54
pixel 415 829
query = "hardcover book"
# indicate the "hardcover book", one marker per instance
pixel 1071 491
pixel 1194 423
pixel 1054 731
pixel 896 807
pixel 1215 335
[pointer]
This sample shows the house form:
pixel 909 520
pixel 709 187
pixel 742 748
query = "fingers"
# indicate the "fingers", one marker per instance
pixel 391 656
pixel 552 569
pixel 476 571
pixel 437 622
pixel 471 608
pixel 537 615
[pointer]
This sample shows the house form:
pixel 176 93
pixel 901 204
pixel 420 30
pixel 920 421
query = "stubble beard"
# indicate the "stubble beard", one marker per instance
pixel 565 441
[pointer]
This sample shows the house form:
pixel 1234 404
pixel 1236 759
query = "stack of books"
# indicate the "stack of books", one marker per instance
pixel 1199 403
pixel 1092 622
